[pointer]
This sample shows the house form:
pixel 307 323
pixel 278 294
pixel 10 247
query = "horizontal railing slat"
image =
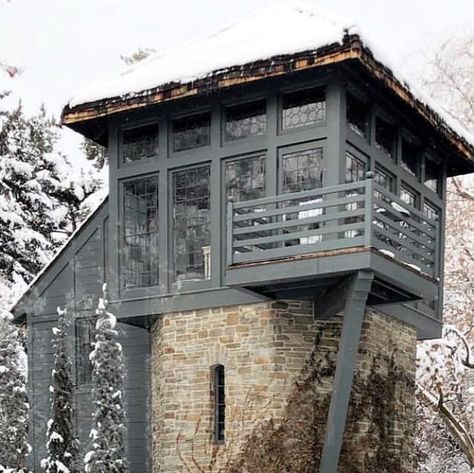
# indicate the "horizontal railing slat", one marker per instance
pixel 402 257
pixel 425 228
pixel 243 230
pixel 300 195
pixel 303 207
pixel 264 255
pixel 394 198
pixel 282 237
pixel 403 243
pixel 406 231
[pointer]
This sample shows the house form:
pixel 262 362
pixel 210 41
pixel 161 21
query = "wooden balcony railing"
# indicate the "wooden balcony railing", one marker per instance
pixel 361 214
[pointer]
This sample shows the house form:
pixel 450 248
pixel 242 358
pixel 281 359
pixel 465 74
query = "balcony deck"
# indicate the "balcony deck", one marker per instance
pixel 314 238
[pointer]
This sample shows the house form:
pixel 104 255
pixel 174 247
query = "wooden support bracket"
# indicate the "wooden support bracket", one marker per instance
pixel 354 310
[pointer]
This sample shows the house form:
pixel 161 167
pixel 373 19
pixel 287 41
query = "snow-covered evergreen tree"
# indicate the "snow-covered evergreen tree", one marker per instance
pixel 62 446
pixel 13 400
pixel 39 197
pixel 108 419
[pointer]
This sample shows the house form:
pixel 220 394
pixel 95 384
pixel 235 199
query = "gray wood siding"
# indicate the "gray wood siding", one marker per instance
pixel 77 285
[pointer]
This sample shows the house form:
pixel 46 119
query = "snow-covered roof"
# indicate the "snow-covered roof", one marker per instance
pixel 287 27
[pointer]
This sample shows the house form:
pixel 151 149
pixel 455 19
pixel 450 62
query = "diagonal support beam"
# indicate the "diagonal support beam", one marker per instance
pixel 354 310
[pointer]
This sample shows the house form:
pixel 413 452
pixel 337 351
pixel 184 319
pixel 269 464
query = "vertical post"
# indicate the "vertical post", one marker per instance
pixel 354 310
pixel 230 236
pixel 369 207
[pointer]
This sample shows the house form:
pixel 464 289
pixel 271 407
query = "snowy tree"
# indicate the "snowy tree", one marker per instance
pixel 445 395
pixel 108 418
pixel 13 400
pixel 62 445
pixel 39 201
pixel 95 152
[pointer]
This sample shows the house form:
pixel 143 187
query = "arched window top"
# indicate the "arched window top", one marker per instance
pixel 218 372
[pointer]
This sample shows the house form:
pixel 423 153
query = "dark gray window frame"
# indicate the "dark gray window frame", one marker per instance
pixel 139 162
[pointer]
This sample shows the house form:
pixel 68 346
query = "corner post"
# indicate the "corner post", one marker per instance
pixel 354 311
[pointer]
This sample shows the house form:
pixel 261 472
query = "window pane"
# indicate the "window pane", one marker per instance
pixel 433 176
pixel 191 132
pixel 191 211
pixel 245 120
pixel 385 179
pixel 85 330
pixel 139 143
pixel 357 116
pixel 431 211
pixel 245 178
pixel 140 233
pixel 409 196
pixel 411 158
pixel 355 168
pixel 385 137
pixel 302 170
pixel 307 107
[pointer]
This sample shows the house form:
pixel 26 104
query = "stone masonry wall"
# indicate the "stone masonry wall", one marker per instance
pixel 279 366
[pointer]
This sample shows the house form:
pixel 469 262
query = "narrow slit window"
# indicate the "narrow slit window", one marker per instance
pixel 191 132
pixel 139 143
pixel 411 158
pixel 85 332
pixel 385 137
pixel 357 116
pixel 219 403
pixel 303 108
pixel 140 252
pixel 246 120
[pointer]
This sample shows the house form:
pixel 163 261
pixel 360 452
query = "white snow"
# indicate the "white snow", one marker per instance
pixel 399 208
pixel 286 27
pixel 388 253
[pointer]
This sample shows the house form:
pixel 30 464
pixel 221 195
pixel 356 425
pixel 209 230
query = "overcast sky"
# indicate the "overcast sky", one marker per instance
pixel 65 44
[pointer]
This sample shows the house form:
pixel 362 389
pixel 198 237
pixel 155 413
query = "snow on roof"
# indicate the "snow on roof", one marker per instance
pixel 284 28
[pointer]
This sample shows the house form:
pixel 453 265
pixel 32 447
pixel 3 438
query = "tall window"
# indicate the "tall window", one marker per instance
pixel 139 143
pixel 242 121
pixel 433 176
pixel 411 158
pixel 191 218
pixel 245 178
pixel 355 168
pixel 409 196
pixel 357 115
pixel 85 331
pixel 303 108
pixel 219 403
pixel 140 255
pixel 385 137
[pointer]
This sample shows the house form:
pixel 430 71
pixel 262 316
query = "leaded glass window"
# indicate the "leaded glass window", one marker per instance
pixel 303 108
pixel 357 115
pixel 245 178
pixel 384 179
pixel 191 218
pixel 355 168
pixel 191 132
pixel 411 158
pixel 85 332
pixel 302 170
pixel 139 143
pixel 243 121
pixel 432 176
pixel 140 253
pixel 385 137
pixel 409 196
pixel 219 403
